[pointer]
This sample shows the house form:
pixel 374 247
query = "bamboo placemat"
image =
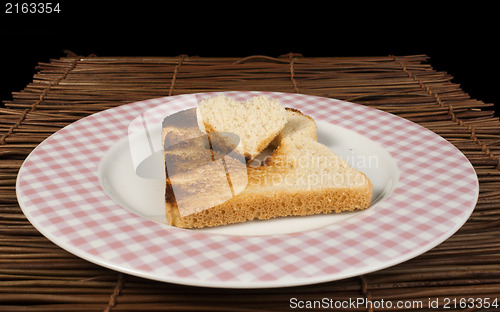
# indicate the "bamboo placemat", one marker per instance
pixel 36 275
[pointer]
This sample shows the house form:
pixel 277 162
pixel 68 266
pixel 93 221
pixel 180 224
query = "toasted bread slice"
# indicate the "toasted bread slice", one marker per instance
pixel 301 177
pixel 257 122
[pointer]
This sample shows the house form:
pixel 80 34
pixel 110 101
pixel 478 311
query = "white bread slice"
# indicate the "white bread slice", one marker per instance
pixel 284 187
pixel 257 122
pixel 301 177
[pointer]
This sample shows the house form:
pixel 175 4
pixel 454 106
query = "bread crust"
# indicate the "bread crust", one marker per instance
pixel 269 204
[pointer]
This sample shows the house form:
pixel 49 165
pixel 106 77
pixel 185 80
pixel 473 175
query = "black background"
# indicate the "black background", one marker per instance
pixel 460 40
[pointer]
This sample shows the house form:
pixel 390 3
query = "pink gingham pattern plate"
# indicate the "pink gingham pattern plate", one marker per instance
pixel 59 191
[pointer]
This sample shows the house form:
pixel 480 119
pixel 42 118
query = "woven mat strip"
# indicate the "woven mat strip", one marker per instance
pixel 470 129
pixel 65 90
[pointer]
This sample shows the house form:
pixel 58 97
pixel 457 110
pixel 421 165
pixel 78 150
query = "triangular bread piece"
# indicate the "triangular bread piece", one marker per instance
pixel 257 121
pixel 301 177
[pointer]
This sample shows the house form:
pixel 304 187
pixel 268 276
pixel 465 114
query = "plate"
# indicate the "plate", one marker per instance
pixel 80 189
